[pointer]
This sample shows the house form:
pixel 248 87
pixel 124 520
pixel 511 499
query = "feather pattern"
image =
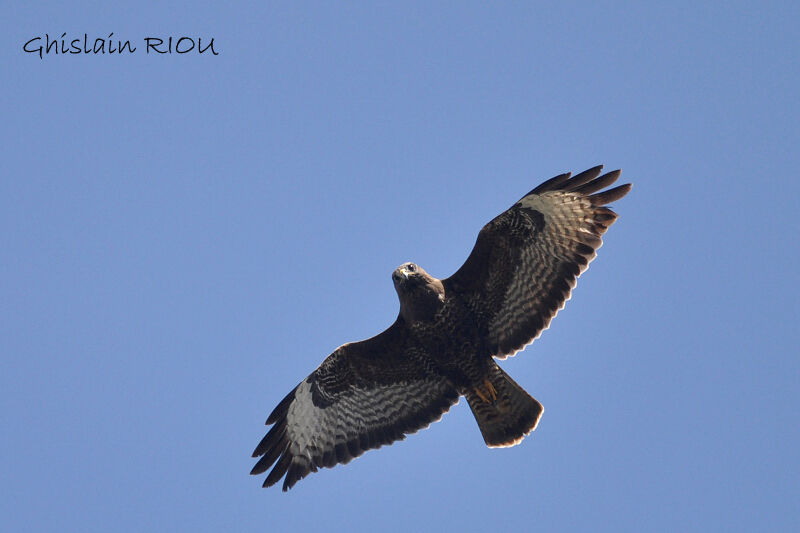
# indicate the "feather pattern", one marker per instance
pixel 520 272
pixel 363 396
pixel 526 261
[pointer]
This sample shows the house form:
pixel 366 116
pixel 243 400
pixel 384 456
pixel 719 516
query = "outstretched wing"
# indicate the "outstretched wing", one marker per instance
pixel 364 395
pixel 526 261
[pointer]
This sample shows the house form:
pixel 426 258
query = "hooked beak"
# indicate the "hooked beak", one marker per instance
pixel 401 274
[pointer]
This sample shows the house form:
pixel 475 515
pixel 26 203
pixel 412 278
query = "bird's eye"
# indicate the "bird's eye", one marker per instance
pixel 412 267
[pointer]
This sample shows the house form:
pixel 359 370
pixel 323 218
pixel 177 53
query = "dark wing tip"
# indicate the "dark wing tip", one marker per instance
pixel 552 184
pixel 595 185
pixel 280 469
pixel 611 195
pixel 582 178
pixel 585 182
pixel 275 445
pixel 281 409
pixel 299 468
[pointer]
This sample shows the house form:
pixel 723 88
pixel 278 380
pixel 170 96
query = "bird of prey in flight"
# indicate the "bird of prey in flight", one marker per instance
pixel 446 337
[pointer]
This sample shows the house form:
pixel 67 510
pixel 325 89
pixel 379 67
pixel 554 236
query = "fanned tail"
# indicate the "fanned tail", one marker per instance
pixel 506 414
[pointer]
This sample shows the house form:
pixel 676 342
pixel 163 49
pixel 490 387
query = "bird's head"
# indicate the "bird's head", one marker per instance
pixel 420 293
pixel 408 275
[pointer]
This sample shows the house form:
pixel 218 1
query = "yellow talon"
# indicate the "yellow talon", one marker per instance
pixel 479 393
pixel 492 392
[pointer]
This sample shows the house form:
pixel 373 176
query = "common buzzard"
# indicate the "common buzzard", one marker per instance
pixel 445 339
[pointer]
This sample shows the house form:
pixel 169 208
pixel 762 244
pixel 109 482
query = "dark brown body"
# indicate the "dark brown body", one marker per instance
pixel 447 336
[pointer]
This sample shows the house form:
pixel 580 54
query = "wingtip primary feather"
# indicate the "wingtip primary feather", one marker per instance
pixel 597 184
pixel 585 182
pixel 611 195
pixel 587 176
pixel 280 469
pixel 280 409
pixel 551 184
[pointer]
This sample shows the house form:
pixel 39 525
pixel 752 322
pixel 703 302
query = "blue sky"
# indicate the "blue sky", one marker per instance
pixel 183 238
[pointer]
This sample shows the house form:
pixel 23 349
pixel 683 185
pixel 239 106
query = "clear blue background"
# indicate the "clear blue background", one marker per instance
pixel 183 238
